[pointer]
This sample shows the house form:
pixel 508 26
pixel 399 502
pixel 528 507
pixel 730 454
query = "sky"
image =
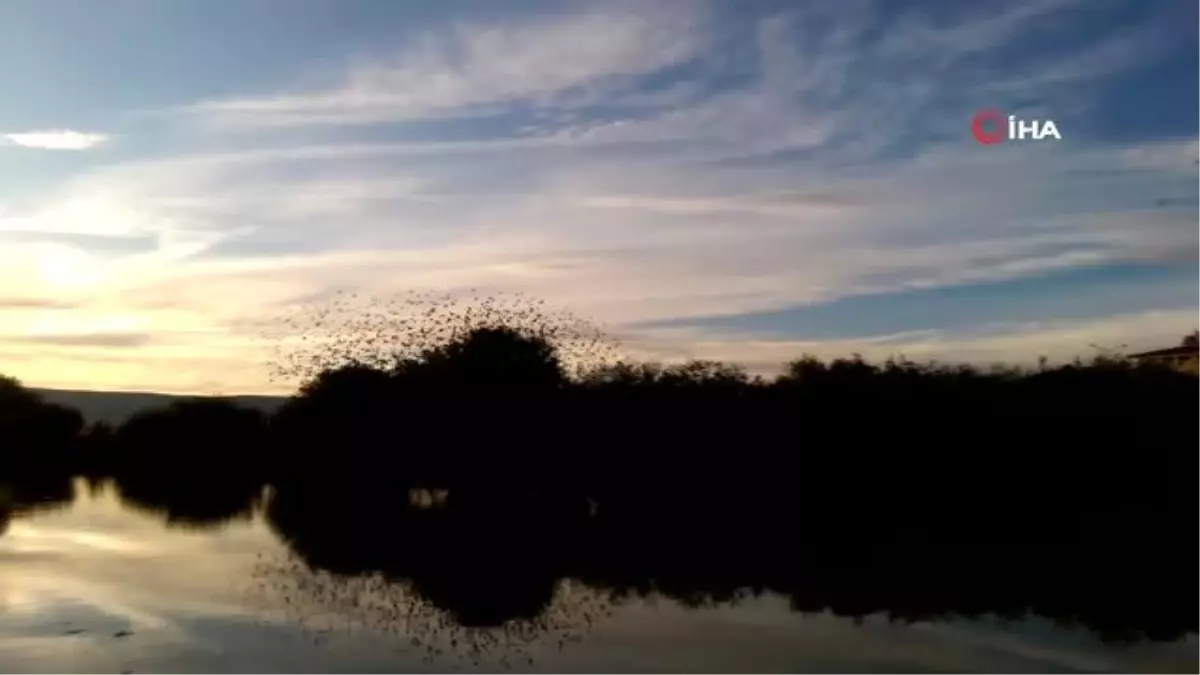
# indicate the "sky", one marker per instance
pixel 747 181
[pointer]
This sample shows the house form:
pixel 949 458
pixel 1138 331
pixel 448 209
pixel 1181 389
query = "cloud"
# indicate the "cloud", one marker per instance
pixel 996 343
pixel 806 93
pixel 622 240
pixel 619 162
pixel 26 303
pixel 1167 155
pixel 750 204
pixel 464 68
pixel 56 139
pixel 114 340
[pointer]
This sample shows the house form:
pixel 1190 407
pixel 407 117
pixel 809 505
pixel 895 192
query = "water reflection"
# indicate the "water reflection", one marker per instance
pixel 34 493
pixel 101 586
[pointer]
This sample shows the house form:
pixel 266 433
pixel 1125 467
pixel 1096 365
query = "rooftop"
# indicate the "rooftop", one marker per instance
pixel 1169 351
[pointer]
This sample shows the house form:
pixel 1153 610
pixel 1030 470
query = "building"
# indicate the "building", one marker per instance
pixel 1185 357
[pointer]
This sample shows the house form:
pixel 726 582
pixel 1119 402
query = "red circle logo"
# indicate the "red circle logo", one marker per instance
pixel 985 137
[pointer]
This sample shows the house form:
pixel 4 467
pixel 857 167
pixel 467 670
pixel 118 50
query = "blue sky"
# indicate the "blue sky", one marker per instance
pixel 738 180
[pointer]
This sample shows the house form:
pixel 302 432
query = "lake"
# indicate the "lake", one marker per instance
pixel 94 585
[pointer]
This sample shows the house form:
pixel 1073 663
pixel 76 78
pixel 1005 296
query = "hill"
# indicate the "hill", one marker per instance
pixel 115 407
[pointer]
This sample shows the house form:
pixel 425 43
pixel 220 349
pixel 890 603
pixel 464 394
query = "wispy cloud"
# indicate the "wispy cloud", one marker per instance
pixel 624 243
pixel 462 69
pixel 996 343
pixel 56 139
pixel 112 340
pixel 827 82
pixel 25 302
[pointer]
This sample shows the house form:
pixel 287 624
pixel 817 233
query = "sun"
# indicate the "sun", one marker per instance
pixel 67 268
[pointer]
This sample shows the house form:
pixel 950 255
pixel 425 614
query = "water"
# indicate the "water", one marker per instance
pixel 96 586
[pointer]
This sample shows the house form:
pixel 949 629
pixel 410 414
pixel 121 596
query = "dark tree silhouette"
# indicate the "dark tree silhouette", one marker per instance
pixel 196 462
pixel 36 435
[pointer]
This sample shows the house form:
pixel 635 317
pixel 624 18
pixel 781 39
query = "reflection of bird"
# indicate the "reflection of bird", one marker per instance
pixel 397 608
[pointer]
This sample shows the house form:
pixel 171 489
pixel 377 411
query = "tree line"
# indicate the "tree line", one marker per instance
pixel 497 407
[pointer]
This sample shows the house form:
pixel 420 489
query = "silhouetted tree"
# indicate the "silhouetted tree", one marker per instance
pixel 36 435
pixel 197 462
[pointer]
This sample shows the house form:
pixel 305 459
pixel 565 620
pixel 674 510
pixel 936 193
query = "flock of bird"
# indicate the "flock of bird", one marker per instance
pixel 349 329
pixel 344 329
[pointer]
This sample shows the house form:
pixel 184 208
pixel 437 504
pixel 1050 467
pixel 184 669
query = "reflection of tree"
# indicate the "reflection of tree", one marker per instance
pixel 499 563
pixel 455 580
pixel 33 494
pixel 321 601
pixel 190 502
pixel 484 567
